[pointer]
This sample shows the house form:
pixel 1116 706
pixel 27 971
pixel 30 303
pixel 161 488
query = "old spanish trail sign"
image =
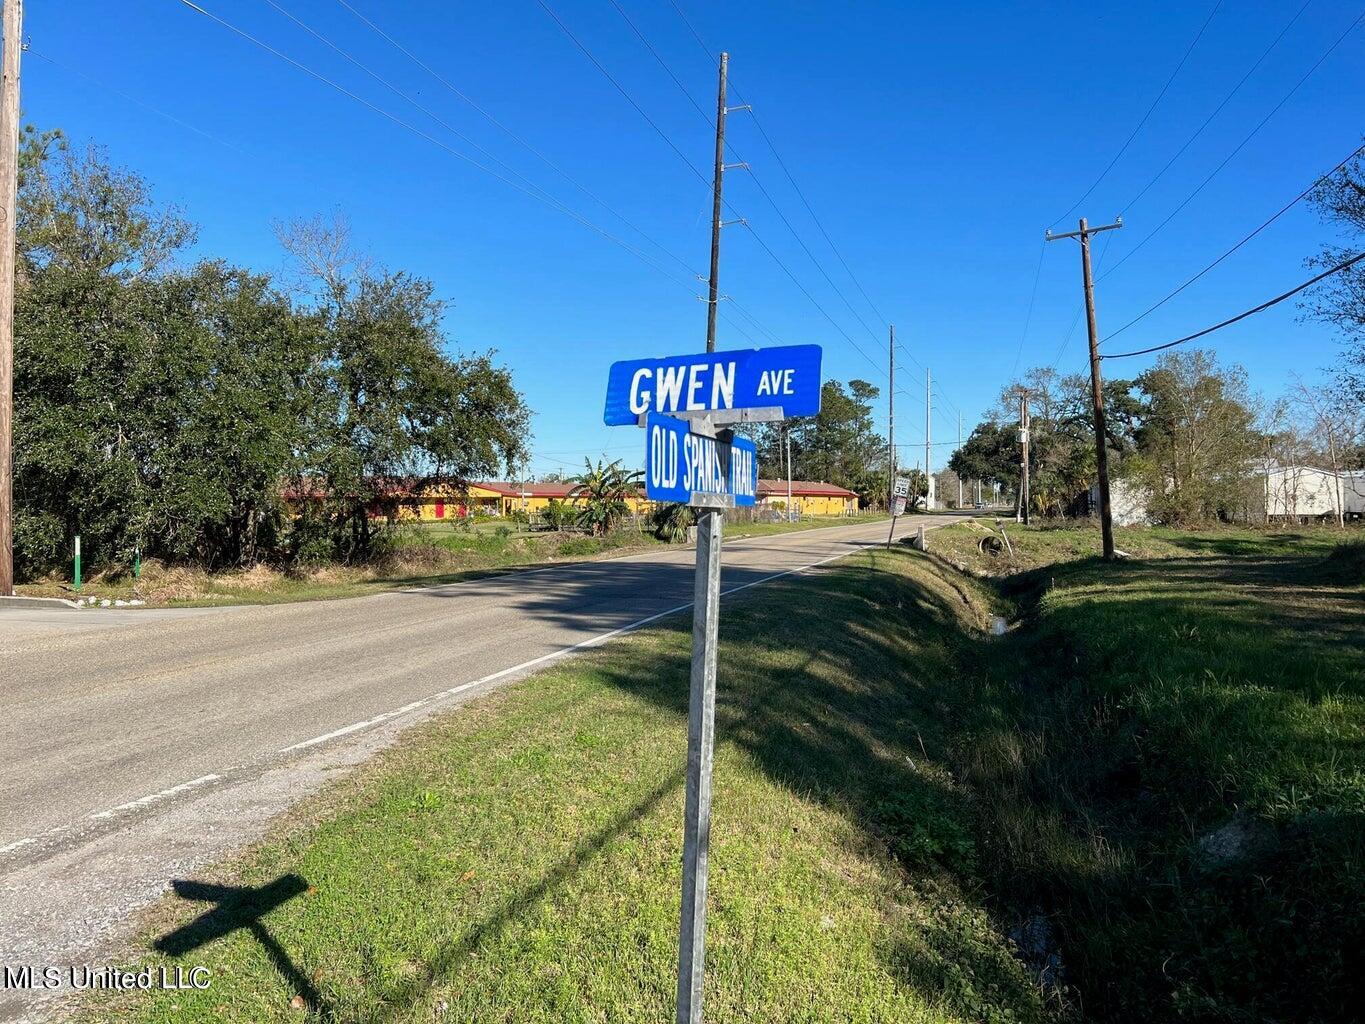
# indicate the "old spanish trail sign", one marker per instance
pixel 748 385
pixel 693 469
pixel 683 403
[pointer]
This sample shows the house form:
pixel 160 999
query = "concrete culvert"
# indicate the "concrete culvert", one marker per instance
pixel 992 545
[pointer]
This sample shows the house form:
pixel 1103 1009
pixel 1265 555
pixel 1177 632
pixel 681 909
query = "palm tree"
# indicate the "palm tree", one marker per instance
pixel 671 521
pixel 604 490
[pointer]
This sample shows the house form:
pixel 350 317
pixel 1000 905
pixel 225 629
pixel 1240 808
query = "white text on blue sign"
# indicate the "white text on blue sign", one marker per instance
pixel 680 465
pixel 785 378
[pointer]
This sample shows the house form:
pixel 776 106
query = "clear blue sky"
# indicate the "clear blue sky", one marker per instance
pixel 934 141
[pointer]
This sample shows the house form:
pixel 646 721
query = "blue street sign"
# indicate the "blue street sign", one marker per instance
pixel 687 467
pixel 772 383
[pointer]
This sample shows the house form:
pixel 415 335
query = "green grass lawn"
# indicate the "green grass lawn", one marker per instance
pixel 519 860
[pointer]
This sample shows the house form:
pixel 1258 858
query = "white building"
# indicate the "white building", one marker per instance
pixel 1127 502
pixel 1307 492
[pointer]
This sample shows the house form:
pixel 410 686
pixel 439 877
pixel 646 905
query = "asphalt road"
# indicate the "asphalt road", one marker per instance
pixel 138 746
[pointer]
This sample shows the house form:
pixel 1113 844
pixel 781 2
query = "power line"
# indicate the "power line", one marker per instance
pixel 797 188
pixel 622 90
pixel 1264 224
pixel 521 141
pixel 1243 315
pixel 1099 262
pixel 133 99
pixel 752 173
pixel 1240 146
pixel 672 145
pixel 766 195
pixel 790 178
pixel 408 126
pixel 409 100
pixel 1218 109
pixel 534 192
pixel 1028 317
pixel 1150 110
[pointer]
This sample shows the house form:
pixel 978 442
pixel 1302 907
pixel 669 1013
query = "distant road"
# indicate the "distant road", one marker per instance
pixel 139 746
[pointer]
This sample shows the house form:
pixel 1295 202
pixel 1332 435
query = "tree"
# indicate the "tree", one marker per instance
pixel 397 414
pixel 839 445
pixel 604 489
pixel 991 452
pixel 1340 300
pixel 172 408
pixel 1197 441
pixel 671 521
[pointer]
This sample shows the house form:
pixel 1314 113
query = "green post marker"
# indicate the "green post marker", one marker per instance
pixel 137 561
pixel 78 562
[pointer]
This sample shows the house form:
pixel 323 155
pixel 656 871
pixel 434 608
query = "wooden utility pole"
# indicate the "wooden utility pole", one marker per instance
pixel 714 296
pixel 1023 457
pixel 1096 385
pixel 9 182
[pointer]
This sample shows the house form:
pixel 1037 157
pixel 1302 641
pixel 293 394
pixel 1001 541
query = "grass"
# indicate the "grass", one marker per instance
pixel 1170 752
pixel 425 554
pixel 519 860
pixel 1155 781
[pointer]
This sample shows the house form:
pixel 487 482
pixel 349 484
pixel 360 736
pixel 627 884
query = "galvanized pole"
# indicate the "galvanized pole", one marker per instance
pixel 9 172
pixel 959 448
pixel 928 439
pixel 701 719
pixel 891 416
pixel 1023 457
pixel 714 287
pixel 891 431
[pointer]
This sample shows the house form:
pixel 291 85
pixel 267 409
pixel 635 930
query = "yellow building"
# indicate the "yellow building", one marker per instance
pixel 488 497
pixel 808 497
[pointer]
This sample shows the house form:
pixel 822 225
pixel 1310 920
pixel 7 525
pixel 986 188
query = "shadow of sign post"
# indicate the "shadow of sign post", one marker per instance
pixel 238 907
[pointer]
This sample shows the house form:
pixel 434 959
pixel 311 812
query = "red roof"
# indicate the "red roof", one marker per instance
pixel 531 490
pixel 802 489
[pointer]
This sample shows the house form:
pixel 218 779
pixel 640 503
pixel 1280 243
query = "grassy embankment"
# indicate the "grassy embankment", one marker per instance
pixel 519 860
pixel 419 555
pixel 1159 771
pixel 1171 762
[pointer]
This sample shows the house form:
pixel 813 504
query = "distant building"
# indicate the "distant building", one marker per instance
pixel 1307 492
pixel 811 498
pixel 1128 502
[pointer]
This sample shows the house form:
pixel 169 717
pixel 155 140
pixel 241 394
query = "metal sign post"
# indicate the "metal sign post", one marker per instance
pixel 898 505
pixel 683 403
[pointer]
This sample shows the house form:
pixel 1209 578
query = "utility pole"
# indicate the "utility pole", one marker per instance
pixel 891 420
pixel 928 439
pixel 959 448
pixel 9 181
pixel 714 297
pixel 1096 385
pixel 891 431
pixel 1022 515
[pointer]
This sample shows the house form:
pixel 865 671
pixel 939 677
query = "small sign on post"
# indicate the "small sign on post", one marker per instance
pixel 684 403
pixel 695 468
pixel 900 495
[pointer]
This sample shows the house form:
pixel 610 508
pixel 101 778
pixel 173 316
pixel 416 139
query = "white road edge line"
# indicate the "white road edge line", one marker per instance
pixel 152 798
pixel 543 659
pixel 204 780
